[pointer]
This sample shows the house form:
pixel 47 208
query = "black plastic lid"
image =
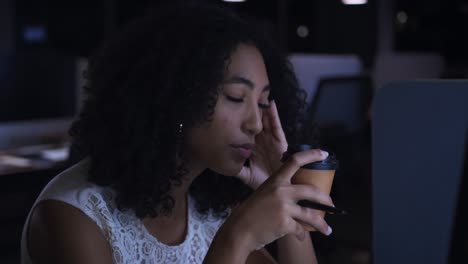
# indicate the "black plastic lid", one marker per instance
pixel 330 163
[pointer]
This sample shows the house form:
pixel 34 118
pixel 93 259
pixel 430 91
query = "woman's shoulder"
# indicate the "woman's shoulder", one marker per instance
pixel 63 211
pixel 63 226
pixel 73 178
pixel 67 184
pixel 73 188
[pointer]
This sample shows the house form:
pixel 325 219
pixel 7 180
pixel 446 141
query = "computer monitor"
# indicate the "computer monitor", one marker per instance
pixel 36 85
pixel 419 137
pixel 39 95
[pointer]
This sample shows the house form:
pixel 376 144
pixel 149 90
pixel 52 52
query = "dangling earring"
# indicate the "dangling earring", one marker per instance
pixel 180 155
pixel 179 139
pixel 181 126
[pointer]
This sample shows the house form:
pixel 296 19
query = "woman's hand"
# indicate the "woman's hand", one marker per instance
pixel 270 144
pixel 272 211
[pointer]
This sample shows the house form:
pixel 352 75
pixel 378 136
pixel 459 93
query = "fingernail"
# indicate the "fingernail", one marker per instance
pixel 324 153
pixel 329 231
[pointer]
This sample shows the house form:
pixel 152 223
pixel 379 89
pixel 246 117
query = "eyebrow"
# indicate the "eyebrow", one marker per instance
pixel 241 80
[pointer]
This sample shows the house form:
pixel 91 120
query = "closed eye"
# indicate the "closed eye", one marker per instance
pixel 234 99
pixel 240 100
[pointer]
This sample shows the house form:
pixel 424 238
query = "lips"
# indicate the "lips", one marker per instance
pixel 243 150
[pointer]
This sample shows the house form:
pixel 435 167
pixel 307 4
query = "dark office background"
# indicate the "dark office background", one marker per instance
pixel 430 25
pixel 65 29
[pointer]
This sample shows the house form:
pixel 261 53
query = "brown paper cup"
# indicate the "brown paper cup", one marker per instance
pixel 322 179
pixel 319 174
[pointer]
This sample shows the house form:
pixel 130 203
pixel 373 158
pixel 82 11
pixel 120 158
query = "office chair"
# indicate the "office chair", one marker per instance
pixel 310 68
pixel 342 102
pixel 340 112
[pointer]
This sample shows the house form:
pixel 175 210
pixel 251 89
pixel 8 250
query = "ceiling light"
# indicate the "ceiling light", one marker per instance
pixel 302 31
pixel 354 2
pixel 402 17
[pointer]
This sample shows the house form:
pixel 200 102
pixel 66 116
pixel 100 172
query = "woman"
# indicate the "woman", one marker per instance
pixel 181 150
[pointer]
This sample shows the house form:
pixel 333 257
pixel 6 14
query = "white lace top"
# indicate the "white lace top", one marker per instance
pixel 128 238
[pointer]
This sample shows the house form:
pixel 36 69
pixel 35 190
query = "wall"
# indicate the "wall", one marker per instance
pixel 390 65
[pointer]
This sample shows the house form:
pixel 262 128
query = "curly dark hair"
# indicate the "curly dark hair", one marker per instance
pixel 159 71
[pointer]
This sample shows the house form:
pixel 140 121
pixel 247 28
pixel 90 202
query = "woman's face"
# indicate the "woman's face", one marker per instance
pixel 224 143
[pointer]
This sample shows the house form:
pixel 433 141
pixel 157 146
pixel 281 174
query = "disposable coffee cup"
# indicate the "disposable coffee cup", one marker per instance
pixel 319 174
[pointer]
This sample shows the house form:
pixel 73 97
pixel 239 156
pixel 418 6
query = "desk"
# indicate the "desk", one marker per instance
pixel 32 158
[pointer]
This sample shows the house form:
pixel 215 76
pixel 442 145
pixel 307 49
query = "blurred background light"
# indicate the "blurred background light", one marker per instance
pixel 354 2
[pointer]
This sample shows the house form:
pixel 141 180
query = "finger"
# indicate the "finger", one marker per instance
pixel 300 232
pixel 296 161
pixel 266 123
pixel 244 174
pixel 312 218
pixel 275 122
pixel 311 193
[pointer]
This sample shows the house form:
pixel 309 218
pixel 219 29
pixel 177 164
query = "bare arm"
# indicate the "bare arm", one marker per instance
pixel 260 257
pixel 228 247
pixel 292 250
pixel 60 233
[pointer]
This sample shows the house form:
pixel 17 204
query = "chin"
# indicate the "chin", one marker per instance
pixel 229 169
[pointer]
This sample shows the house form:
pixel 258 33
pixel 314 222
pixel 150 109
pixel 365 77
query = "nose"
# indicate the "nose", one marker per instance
pixel 252 124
